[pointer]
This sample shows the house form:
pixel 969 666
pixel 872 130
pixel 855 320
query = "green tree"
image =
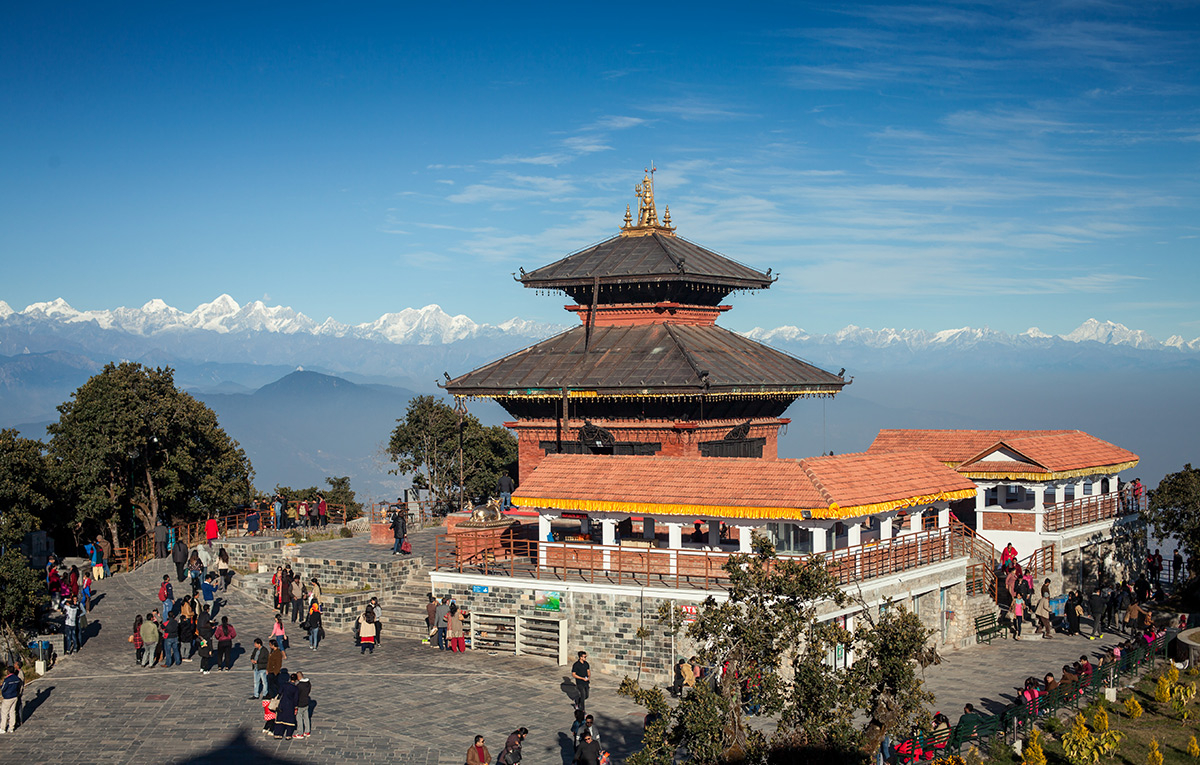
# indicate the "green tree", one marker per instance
pixel 426 444
pixel 1174 509
pixel 25 501
pixel 775 647
pixel 338 493
pixel 130 440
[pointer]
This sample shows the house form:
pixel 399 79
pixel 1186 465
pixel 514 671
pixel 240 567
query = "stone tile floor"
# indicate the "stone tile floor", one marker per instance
pixel 406 703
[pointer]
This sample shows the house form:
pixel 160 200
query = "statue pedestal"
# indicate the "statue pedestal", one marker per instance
pixel 479 542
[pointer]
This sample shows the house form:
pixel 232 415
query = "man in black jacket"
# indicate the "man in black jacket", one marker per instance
pixel 399 530
pixel 588 752
pixel 160 540
pixel 179 554
pixel 1097 603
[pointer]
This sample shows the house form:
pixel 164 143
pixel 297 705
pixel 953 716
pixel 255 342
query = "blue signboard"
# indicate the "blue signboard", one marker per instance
pixel 478 588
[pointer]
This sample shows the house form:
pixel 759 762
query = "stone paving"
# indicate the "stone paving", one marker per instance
pixel 405 703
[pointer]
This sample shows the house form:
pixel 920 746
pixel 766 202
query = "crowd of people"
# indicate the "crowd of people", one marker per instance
pixel 447 624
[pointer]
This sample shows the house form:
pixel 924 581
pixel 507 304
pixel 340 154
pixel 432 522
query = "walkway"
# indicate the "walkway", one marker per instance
pixel 406 703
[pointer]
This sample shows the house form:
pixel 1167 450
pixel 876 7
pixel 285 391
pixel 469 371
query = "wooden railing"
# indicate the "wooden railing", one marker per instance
pixel 141 549
pixel 981 576
pixel 616 564
pixel 1040 562
pixel 422 512
pixel 1084 510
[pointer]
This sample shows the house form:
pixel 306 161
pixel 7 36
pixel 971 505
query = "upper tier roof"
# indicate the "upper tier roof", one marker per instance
pixel 653 258
pixel 659 359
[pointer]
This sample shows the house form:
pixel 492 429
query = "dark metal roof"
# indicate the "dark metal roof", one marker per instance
pixel 655 257
pixel 655 358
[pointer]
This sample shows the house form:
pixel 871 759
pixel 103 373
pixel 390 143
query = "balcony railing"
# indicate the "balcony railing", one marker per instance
pixel 679 568
pixel 1085 510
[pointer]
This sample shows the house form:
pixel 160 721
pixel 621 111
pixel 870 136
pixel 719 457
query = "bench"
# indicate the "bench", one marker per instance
pixel 983 730
pixel 987 628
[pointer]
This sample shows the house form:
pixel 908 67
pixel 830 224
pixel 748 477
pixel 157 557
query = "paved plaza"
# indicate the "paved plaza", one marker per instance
pixel 407 703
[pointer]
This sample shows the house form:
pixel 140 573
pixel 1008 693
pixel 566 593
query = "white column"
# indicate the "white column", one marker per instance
pixel 1114 484
pixel 1079 490
pixel 674 535
pixel 885 529
pixel 744 533
pixel 608 531
pixel 944 518
pixel 980 497
pixel 1060 493
pixel 543 533
pixel 608 536
pixel 818 539
pixel 714 533
pixel 853 534
pixel 914 521
pixel 1039 506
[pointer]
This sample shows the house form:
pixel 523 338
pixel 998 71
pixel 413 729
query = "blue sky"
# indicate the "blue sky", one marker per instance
pixel 920 166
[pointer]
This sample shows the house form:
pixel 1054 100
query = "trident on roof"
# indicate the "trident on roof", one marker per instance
pixel 647 217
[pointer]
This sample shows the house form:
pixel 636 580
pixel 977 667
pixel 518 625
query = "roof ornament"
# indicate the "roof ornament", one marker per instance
pixel 647 217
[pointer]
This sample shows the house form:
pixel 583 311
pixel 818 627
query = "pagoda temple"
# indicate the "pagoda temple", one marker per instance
pixel 648 371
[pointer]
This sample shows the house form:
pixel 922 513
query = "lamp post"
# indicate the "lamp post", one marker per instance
pixel 461 410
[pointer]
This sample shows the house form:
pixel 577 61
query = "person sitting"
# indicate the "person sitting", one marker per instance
pixel 939 736
pixel 1049 682
pixel 1085 667
pixel 967 723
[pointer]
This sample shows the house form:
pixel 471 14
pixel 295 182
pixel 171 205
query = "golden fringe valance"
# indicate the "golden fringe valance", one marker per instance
pixel 1042 477
pixel 737 511
pixel 641 395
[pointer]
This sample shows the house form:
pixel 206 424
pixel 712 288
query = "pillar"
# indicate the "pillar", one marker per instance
pixel 980 497
pixel 1039 506
pixel 714 533
pixel 674 535
pixel 744 533
pixel 885 529
pixel 544 526
pixel 1114 484
pixel 914 521
pixel 647 527
pixel 944 517
pixel 818 539
pixel 1079 490
pixel 608 531
pixel 853 534
pixel 1060 493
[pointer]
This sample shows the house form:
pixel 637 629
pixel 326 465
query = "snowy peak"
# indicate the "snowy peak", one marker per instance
pixel 1111 333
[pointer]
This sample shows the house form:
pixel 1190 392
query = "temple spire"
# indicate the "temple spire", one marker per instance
pixel 647 217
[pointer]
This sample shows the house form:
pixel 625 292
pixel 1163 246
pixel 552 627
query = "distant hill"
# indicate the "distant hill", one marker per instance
pixel 306 426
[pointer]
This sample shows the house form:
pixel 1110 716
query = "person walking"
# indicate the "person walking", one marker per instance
pixel 277 632
pixel 160 540
pixel 223 569
pixel 455 633
pixel 206 655
pixel 399 531
pixel 439 616
pixel 283 588
pixel 431 618
pixel 505 487
pixel 277 510
pixel 1018 616
pixel 195 569
pixel 277 587
pixel 73 614
pixel 148 631
pixel 170 630
pixel 208 591
pixel 313 622
pixel 225 635
pixel 10 694
pixel 512 746
pixel 139 646
pixel 298 600
pixel 285 713
pixel 588 752
pixel 258 663
pixel 1097 603
pixel 366 631
pixel 1042 612
pixel 378 620
pixel 303 694
pixel 581 672
pixel 274 667
pixel 478 754
pixel 179 554
pixel 166 595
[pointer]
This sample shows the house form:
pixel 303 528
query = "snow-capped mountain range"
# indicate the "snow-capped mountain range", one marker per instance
pixel 433 326
pixel 412 326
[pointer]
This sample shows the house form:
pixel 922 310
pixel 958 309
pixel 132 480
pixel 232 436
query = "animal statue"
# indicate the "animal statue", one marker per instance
pixel 488 513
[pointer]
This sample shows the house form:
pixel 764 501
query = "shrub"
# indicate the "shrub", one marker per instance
pixel 1181 696
pixel 1032 754
pixel 1162 689
pixel 1154 757
pixel 1133 710
pixel 1193 749
pixel 345 533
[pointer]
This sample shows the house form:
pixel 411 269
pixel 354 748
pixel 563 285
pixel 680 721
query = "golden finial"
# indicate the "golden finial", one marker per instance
pixel 667 216
pixel 647 219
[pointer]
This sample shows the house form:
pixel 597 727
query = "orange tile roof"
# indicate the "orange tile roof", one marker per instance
pixel 1047 453
pixel 827 487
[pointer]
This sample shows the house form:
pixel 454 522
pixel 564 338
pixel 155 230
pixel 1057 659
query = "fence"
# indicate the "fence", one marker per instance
pixel 616 564
pixel 1084 510
pixel 422 513
pixel 141 549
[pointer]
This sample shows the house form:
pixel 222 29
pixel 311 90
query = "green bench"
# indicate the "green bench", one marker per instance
pixel 987 628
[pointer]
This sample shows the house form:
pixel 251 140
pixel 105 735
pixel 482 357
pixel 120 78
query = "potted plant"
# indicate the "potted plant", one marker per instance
pixel 252 566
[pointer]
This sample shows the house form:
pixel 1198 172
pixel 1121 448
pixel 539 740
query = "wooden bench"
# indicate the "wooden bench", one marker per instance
pixel 987 628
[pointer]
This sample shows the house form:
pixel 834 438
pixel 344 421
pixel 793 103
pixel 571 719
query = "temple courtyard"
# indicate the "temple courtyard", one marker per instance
pixel 407 702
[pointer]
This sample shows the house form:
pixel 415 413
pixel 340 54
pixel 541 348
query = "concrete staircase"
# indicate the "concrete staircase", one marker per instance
pixel 404 607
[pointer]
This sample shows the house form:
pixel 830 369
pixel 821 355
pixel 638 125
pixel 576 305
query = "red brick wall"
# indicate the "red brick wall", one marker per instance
pixel 993 520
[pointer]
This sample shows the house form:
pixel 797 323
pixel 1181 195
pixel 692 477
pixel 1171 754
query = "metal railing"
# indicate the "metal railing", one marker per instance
pixel 425 512
pixel 141 549
pixel 1084 510
pixel 488 554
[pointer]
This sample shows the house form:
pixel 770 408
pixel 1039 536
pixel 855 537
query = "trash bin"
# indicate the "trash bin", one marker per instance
pixel 40 650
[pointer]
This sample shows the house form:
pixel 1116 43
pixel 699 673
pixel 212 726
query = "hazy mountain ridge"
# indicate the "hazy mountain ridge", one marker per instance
pixel 431 325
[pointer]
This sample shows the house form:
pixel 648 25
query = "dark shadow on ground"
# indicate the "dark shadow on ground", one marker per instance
pixel 236 750
pixel 31 705
pixel 567 745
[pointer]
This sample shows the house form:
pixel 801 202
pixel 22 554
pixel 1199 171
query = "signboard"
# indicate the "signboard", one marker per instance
pixel 548 600
pixel 479 588
pixel 690 612
pixel 574 516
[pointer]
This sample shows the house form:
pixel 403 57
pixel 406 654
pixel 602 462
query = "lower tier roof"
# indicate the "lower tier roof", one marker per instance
pixel 646 359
